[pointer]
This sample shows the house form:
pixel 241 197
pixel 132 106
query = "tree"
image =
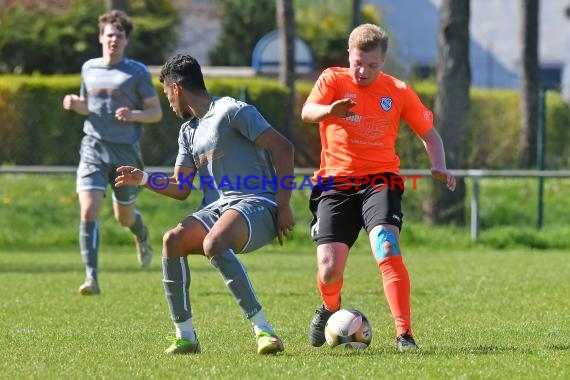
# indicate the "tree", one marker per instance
pixel 326 25
pixel 286 24
pixel 50 40
pixel 117 4
pixel 530 82
pixel 452 107
pixel 244 22
pixel 356 13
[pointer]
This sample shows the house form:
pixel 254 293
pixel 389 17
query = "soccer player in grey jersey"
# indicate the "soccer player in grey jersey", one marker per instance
pixel 224 141
pixel 117 96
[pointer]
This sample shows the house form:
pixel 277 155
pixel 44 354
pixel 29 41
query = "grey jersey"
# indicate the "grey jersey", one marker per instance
pixel 109 87
pixel 220 146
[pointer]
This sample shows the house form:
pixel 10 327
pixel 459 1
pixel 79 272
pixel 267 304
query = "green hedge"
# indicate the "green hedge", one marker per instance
pixel 60 36
pixel 35 130
pixel 493 125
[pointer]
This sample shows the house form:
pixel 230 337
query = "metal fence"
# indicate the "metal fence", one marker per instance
pixel 475 175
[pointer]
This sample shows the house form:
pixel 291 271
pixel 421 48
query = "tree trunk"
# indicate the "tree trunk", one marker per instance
pixel 286 25
pixel 530 82
pixel 356 16
pixel 451 109
pixel 122 5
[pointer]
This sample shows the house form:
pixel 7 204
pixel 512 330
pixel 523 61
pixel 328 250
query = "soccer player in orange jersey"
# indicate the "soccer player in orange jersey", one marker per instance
pixel 359 110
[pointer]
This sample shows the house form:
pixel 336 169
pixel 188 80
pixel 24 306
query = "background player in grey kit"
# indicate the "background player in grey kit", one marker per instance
pixel 116 95
pixel 228 140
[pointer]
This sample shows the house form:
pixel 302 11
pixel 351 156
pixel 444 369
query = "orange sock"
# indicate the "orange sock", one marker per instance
pixel 330 294
pixel 397 289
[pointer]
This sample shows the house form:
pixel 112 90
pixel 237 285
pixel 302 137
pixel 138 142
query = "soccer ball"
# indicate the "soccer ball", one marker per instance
pixel 348 328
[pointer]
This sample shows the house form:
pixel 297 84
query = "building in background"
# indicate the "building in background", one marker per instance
pixel 495 43
pixel 199 30
pixel 413 26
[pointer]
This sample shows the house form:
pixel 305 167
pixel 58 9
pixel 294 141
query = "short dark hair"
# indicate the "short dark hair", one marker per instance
pixel 118 19
pixel 184 70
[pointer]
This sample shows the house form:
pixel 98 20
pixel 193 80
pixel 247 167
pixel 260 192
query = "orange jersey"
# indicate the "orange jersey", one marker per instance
pixel 365 143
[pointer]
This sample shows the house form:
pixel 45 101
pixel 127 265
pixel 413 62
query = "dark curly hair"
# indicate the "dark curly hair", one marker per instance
pixel 184 70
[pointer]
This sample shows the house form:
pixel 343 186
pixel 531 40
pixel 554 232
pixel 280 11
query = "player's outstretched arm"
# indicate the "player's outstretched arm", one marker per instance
pixel 434 148
pixel 179 186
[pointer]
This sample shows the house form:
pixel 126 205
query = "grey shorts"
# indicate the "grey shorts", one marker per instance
pixel 260 215
pixel 98 163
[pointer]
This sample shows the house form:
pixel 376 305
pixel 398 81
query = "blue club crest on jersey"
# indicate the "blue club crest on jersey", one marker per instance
pixel 386 103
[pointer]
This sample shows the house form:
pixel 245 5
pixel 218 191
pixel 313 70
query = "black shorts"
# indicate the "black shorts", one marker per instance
pixel 343 206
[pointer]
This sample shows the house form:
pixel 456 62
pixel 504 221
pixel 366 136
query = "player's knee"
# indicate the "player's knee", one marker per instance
pixel 89 213
pixel 330 271
pixel 330 260
pixel 171 243
pixel 386 244
pixel 213 243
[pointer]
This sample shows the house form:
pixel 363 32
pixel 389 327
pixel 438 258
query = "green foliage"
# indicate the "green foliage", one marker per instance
pixel 32 104
pixel 34 125
pixel 243 24
pixel 154 33
pixel 557 131
pixel 326 25
pixel 42 42
pixel 48 43
pixel 493 127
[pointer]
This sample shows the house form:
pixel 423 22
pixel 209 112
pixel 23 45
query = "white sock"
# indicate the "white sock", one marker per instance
pixel 185 329
pixel 259 322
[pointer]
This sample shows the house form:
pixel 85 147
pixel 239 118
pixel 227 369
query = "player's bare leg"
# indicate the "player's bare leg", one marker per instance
pixel 129 216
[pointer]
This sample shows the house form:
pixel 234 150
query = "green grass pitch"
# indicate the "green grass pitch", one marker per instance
pixel 477 313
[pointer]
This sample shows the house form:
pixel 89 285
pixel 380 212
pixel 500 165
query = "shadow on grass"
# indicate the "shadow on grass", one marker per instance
pixel 486 350
pixel 439 351
pixel 559 347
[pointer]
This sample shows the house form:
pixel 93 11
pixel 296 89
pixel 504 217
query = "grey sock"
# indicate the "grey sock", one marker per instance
pixel 138 227
pixel 235 276
pixel 89 246
pixel 176 287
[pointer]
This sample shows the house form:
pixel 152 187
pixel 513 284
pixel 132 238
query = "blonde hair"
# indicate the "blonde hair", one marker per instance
pixel 368 37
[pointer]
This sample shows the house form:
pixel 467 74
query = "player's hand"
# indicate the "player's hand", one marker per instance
pixel 128 176
pixel 285 221
pixel 124 114
pixel 444 176
pixel 341 108
pixel 69 101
